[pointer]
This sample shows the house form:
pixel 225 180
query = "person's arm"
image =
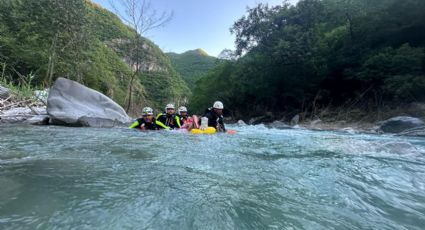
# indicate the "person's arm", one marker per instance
pixel 195 122
pixel 155 126
pixel 159 122
pixel 135 124
pixel 178 121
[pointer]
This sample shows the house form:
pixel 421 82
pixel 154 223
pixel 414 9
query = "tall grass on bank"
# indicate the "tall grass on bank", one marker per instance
pixel 22 90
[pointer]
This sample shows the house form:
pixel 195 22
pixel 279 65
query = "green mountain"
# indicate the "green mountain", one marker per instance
pixel 80 40
pixel 192 65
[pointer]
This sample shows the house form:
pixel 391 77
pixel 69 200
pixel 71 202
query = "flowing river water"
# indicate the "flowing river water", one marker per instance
pixel 85 178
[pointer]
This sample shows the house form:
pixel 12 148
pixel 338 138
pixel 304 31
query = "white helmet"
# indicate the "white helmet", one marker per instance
pixel 147 111
pixel 169 106
pixel 182 109
pixel 218 105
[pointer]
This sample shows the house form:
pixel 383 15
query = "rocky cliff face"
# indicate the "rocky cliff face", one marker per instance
pixel 93 49
pixel 151 59
pixel 157 80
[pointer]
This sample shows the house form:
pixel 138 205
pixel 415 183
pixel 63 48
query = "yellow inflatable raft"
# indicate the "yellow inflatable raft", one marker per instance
pixel 209 130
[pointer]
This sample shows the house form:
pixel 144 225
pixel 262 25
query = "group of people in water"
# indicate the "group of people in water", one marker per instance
pixel 213 117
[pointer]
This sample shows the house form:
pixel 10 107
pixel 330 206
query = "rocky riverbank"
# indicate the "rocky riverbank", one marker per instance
pixel 72 104
pixel 67 103
pixel 400 123
pixel 15 109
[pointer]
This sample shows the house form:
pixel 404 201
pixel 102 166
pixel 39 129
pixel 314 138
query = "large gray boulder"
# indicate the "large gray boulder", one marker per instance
pixel 4 92
pixel 72 104
pixel 400 124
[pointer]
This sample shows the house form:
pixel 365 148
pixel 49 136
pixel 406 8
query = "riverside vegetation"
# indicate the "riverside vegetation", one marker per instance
pixel 84 42
pixel 331 55
pixel 335 59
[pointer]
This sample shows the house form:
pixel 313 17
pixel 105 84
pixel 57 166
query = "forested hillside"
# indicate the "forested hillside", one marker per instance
pixel 321 55
pixel 45 39
pixel 192 65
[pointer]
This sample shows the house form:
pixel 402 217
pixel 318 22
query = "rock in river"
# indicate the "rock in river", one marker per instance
pixel 400 124
pixel 72 104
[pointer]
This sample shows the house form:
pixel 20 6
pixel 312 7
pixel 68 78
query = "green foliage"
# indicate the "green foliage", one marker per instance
pixel 105 25
pixel 24 90
pixel 165 87
pixel 322 52
pixel 192 65
pixel 405 87
pixel 45 37
pixel 82 41
pixel 107 72
pixel 212 87
pixel 398 73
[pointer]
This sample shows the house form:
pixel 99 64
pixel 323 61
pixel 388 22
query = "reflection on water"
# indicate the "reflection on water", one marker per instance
pixel 83 178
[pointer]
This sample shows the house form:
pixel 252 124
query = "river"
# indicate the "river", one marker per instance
pixel 84 178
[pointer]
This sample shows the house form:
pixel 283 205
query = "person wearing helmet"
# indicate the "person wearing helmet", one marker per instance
pixel 146 122
pixel 186 121
pixel 168 119
pixel 215 117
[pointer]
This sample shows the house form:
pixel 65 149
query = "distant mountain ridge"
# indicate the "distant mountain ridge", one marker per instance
pixel 192 65
pixel 199 52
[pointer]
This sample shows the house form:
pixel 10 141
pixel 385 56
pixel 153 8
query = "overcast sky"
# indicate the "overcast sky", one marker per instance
pixel 201 24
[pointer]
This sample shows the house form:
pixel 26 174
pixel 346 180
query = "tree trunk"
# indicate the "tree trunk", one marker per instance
pixel 51 64
pixel 130 93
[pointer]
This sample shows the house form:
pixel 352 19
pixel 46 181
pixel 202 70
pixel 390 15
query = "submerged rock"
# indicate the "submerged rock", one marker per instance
pixel 348 130
pixel 263 119
pixel 315 124
pixel 241 123
pixel 72 104
pixel 279 125
pixel 399 148
pixel 415 132
pixel 400 124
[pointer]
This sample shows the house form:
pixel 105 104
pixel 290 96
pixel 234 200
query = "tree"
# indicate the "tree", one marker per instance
pixel 140 16
pixel 255 27
pixel 47 36
pixel 323 53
